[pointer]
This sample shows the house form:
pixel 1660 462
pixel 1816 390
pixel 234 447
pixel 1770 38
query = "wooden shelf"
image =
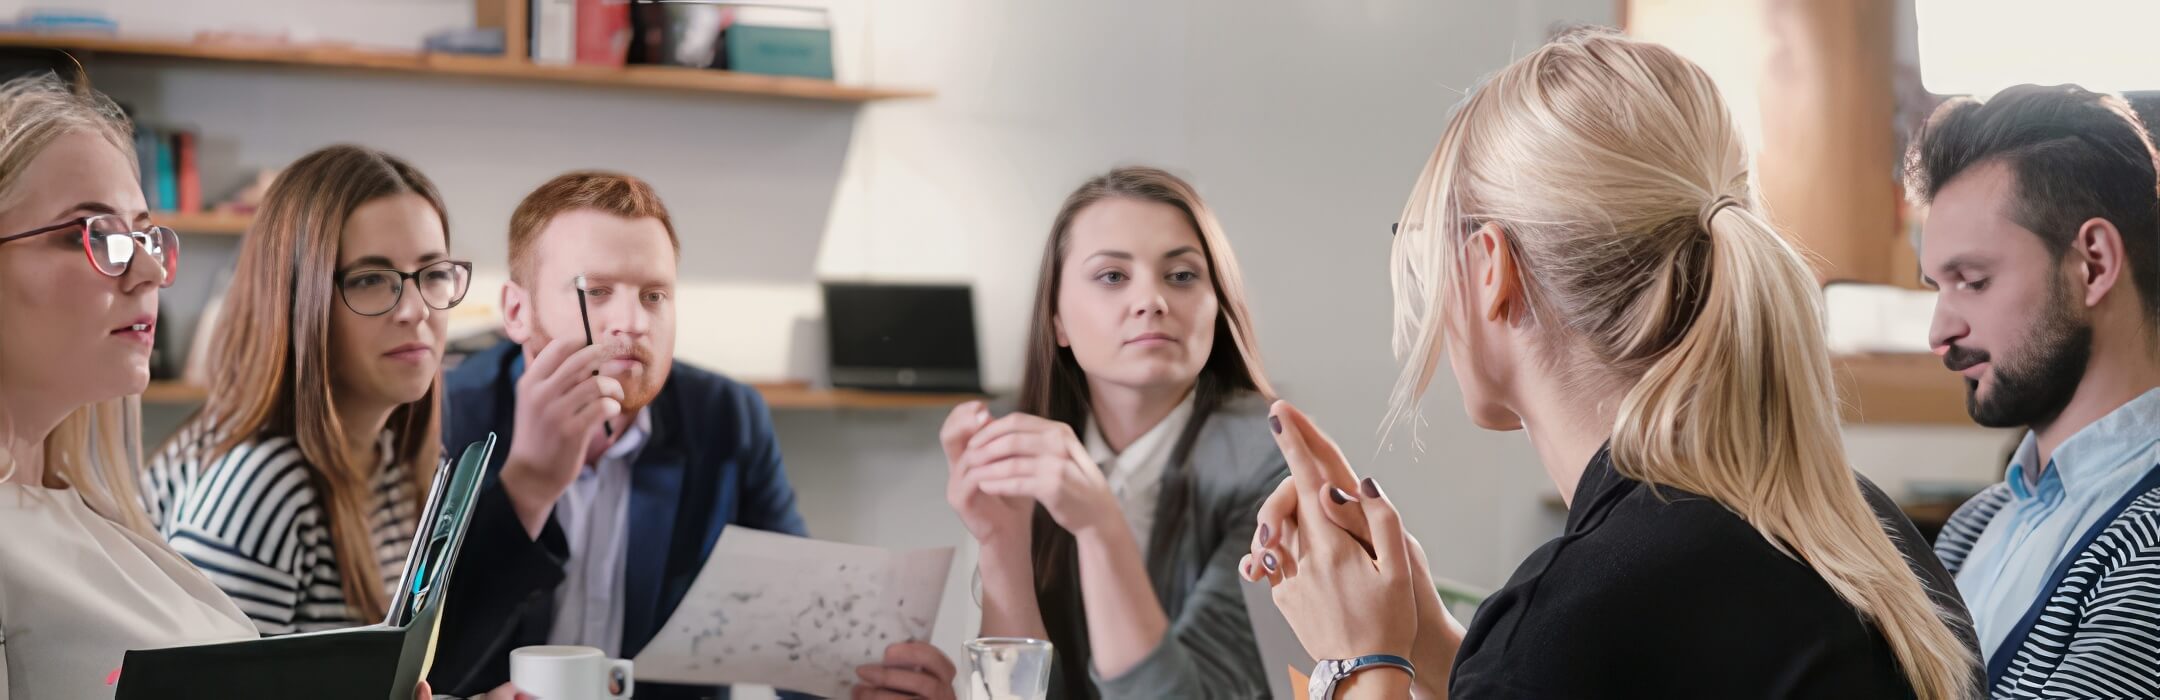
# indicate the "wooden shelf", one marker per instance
pixel 204 223
pixel 779 396
pixel 171 392
pixel 796 395
pixel 1900 389
pixel 668 78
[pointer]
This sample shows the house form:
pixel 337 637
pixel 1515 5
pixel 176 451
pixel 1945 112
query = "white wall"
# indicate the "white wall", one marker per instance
pixel 1302 121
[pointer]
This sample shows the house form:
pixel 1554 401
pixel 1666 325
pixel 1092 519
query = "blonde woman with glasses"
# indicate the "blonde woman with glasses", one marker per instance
pixel 84 576
pixel 1585 248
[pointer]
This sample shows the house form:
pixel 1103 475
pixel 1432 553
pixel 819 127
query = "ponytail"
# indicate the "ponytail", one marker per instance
pixel 1743 409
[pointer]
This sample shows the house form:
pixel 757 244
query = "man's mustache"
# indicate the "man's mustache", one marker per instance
pixel 1959 359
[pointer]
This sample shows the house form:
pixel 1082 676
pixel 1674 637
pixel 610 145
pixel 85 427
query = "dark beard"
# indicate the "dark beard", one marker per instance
pixel 2034 389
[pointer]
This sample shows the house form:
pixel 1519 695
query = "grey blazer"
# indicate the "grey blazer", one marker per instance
pixel 1193 553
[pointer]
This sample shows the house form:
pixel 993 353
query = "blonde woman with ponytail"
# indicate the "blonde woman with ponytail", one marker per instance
pixel 1585 248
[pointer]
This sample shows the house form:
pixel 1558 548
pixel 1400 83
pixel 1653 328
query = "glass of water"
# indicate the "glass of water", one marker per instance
pixel 1008 668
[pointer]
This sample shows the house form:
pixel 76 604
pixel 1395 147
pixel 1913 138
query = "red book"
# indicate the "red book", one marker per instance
pixel 187 180
pixel 603 32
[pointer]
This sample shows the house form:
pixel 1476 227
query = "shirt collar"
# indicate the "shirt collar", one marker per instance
pixel 386 450
pixel 2096 450
pixel 1154 440
pixel 633 438
pixel 1595 491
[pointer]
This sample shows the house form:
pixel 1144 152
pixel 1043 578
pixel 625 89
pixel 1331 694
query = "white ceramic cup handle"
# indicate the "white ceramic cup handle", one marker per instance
pixel 626 668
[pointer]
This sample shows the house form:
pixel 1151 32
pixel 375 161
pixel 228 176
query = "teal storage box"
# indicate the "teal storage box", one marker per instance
pixel 792 51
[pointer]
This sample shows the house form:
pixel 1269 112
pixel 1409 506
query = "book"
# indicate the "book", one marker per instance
pixel 168 192
pixel 554 32
pixel 146 162
pixel 188 182
pixel 603 32
pixel 793 41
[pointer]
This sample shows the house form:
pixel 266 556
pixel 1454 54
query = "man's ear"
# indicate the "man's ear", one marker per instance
pixel 2097 251
pixel 517 313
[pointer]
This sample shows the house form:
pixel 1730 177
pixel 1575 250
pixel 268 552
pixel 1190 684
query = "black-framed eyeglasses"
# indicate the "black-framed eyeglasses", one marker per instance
pixel 374 292
pixel 1468 225
pixel 109 243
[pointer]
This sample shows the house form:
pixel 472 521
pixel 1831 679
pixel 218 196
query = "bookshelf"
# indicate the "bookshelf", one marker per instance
pixel 333 57
pixel 203 223
pixel 791 396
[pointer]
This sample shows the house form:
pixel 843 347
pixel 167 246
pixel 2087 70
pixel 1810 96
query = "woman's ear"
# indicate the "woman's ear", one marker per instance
pixel 1057 325
pixel 1498 287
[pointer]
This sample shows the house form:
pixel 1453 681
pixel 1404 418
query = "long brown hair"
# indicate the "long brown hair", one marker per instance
pixel 271 358
pixel 1053 386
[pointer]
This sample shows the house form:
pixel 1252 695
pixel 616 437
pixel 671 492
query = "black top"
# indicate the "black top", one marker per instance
pixel 1668 594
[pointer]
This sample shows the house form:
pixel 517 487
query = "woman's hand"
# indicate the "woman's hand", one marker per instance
pixel 989 518
pixel 1439 633
pixel 910 670
pixel 1341 595
pixel 1040 459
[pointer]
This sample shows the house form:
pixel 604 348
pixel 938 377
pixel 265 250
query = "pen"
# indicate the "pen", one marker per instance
pixel 605 427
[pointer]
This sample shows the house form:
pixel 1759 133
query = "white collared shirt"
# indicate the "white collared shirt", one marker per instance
pixel 1135 475
pixel 594 515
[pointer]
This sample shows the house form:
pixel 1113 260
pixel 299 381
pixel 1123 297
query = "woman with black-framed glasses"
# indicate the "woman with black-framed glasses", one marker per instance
pixel 298 485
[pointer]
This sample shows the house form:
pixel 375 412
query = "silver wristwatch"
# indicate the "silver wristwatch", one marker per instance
pixel 1330 672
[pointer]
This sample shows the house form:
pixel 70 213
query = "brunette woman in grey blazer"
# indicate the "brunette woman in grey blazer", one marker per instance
pixel 1112 507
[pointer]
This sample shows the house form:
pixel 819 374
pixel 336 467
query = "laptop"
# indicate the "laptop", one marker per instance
pixel 901 337
pixel 384 661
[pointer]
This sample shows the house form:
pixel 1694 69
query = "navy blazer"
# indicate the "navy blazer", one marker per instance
pixel 711 461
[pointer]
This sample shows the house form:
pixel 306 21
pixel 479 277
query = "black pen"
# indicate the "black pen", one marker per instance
pixel 605 427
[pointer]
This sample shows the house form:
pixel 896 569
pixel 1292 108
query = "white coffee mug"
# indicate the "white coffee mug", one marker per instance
pixel 570 673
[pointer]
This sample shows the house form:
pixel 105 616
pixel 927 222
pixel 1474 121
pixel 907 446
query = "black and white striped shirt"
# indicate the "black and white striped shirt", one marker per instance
pixel 2098 634
pixel 251 519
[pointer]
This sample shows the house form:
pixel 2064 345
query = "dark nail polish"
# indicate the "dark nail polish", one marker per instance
pixel 1264 533
pixel 1370 488
pixel 1268 560
pixel 1276 423
pixel 1339 496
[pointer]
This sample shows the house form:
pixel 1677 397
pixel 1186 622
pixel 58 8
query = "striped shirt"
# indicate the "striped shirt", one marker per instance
pixel 2095 633
pixel 252 520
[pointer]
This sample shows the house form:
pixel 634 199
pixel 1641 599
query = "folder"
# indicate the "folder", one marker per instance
pixel 378 662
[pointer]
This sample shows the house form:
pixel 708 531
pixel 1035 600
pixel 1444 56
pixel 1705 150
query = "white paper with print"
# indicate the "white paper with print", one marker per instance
pixel 795 613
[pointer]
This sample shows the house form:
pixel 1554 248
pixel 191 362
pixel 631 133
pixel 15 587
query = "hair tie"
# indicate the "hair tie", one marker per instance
pixel 1710 211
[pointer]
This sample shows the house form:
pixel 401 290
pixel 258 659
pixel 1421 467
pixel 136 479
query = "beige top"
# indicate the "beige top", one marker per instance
pixel 78 591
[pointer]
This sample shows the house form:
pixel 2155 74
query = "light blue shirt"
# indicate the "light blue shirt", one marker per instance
pixel 2050 511
pixel 594 514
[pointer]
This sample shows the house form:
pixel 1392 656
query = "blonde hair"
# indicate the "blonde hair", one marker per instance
pixel 1623 187
pixel 97 449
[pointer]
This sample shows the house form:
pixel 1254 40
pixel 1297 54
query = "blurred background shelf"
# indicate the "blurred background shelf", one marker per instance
pixel 668 78
pixel 1902 389
pixel 204 223
pixel 171 392
pixel 778 395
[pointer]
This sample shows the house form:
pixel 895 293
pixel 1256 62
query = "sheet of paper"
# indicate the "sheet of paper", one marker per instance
pixel 795 613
